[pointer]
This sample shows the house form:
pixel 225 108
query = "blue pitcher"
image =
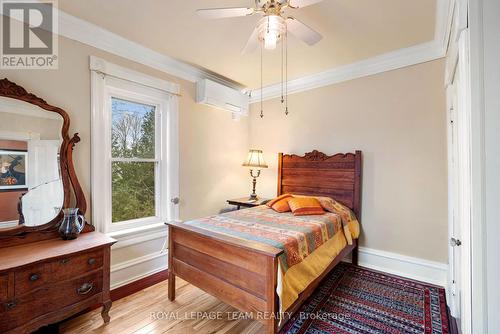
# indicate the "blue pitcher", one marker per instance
pixel 72 224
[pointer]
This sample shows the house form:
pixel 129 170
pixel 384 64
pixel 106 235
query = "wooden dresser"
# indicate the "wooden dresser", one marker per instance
pixel 47 281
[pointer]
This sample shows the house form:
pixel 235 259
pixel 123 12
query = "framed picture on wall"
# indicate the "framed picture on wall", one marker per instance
pixel 13 169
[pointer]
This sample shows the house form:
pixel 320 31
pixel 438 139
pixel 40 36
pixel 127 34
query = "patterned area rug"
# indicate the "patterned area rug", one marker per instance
pixel 356 300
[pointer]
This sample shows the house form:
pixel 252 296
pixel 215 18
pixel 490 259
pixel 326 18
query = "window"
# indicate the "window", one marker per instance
pixel 134 160
pixel 134 151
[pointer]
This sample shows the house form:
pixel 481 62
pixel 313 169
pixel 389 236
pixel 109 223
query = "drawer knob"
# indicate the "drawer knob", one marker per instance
pixel 34 277
pixel 65 261
pixel 92 261
pixel 85 288
pixel 10 305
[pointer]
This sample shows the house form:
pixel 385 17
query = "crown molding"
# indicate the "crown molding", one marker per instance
pixel 386 62
pixel 90 34
pixel 95 36
pixel 393 60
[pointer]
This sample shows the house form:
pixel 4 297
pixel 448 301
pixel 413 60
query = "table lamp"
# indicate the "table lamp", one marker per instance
pixel 255 160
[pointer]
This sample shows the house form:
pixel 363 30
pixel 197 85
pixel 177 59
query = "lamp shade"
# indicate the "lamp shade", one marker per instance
pixel 255 159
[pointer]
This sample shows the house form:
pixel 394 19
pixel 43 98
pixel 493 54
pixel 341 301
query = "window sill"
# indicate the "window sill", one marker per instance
pixel 134 231
pixel 140 234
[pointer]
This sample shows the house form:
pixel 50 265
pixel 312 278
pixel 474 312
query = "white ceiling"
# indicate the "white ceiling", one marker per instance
pixel 353 30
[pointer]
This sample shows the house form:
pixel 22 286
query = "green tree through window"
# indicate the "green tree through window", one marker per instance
pixel 133 182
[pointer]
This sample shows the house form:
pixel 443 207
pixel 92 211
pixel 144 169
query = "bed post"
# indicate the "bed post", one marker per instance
pixel 280 167
pixel 171 276
pixel 354 254
pixel 357 200
pixel 272 315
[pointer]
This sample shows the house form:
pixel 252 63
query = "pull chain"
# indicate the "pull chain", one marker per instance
pixel 261 85
pixel 282 64
pixel 286 72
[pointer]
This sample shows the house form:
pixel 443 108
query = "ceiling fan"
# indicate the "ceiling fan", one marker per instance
pixel 273 25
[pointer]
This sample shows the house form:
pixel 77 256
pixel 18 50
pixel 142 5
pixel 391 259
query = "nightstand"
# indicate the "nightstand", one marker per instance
pixel 245 202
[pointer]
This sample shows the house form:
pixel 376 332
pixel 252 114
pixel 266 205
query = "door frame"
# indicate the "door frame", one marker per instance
pixel 478 231
pixel 467 17
pixel 458 59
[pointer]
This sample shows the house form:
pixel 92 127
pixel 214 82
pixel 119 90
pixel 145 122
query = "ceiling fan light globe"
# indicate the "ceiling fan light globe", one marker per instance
pixel 270 41
pixel 271 28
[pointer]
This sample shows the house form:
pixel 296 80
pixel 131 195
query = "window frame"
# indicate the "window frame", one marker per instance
pixel 136 87
pixel 123 93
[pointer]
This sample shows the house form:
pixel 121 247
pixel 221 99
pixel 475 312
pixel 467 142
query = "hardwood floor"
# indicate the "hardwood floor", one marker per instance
pixel 150 311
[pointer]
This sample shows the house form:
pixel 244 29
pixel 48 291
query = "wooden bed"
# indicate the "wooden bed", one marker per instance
pixel 243 273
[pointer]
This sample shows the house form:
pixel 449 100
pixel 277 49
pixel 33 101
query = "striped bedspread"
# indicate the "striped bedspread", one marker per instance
pixel 298 236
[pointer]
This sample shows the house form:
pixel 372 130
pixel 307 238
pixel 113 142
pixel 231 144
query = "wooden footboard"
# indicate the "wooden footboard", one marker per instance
pixel 240 273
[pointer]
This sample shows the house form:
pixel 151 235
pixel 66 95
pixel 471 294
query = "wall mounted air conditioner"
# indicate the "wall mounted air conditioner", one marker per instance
pixel 222 97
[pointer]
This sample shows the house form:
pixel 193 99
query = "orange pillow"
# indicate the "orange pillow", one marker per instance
pixel 302 206
pixel 280 203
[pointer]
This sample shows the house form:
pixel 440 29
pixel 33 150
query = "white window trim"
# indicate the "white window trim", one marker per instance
pixel 101 66
pixel 103 75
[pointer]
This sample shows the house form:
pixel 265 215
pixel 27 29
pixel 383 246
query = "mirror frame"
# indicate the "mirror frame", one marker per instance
pixel 69 178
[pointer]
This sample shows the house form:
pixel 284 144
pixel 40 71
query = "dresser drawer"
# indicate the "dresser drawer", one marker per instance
pixel 14 312
pixel 75 265
pixel 33 277
pixel 50 297
pixel 4 286
pixel 74 291
pixel 30 278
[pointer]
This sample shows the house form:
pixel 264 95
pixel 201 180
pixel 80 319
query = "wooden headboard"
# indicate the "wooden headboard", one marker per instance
pixel 317 174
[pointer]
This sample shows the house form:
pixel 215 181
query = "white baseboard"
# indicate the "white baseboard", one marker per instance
pixel 137 277
pixel 136 260
pixel 406 266
pixel 134 269
pixel 140 255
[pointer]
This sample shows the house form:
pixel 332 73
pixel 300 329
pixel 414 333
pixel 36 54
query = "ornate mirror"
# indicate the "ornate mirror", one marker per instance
pixel 37 177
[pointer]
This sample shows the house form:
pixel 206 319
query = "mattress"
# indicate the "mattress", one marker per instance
pixel 309 243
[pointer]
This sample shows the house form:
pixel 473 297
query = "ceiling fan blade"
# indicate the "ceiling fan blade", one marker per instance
pixel 302 31
pixel 252 42
pixel 221 13
pixel 303 3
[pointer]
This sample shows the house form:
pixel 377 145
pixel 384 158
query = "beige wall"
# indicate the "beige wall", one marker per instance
pixel 398 120
pixel 212 145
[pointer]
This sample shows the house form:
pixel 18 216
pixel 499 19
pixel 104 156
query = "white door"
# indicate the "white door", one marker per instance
pixel 454 232
pixel 459 182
